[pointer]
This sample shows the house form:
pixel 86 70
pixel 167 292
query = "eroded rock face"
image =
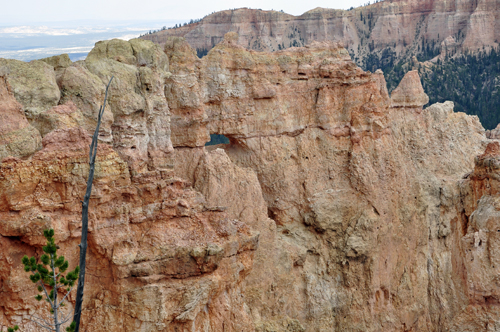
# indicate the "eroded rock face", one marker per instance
pixel 478 242
pixel 150 235
pixel 58 117
pixel 17 137
pixel 34 85
pixel 335 207
pixel 137 118
pixel 494 133
pixel 397 26
pixel 351 178
pixel 409 92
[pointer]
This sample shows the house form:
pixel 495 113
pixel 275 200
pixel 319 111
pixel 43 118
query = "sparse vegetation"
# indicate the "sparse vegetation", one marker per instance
pixel 192 21
pixel 471 81
pixel 48 276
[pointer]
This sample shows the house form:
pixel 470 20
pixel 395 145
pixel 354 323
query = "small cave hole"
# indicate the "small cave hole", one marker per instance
pixel 217 139
pixel 201 52
pixel 13 238
pixel 480 242
pixel 271 214
pixel 490 300
pixel 134 147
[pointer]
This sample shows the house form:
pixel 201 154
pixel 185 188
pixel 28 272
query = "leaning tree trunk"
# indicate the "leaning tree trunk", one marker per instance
pixel 85 216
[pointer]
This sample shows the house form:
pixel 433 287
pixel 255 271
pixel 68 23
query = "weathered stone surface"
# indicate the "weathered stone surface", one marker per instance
pixel 58 61
pixel 397 26
pixel 17 137
pixel 478 241
pixel 181 55
pixel 136 119
pixel 186 253
pixel 409 92
pixel 149 55
pixel 59 117
pixel 494 133
pixel 86 91
pixel 134 52
pixel 141 128
pixel 352 183
pixel 332 209
pixel 232 76
pixel 116 49
pixel 34 85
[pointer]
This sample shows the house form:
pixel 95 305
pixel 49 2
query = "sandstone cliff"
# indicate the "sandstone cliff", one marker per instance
pixel 335 206
pixel 399 27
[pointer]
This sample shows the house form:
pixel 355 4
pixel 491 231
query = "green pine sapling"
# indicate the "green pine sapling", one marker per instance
pixel 49 278
pixel 55 280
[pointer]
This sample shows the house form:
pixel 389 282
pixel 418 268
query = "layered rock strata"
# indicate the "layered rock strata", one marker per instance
pixel 153 240
pixel 335 206
pixel 401 27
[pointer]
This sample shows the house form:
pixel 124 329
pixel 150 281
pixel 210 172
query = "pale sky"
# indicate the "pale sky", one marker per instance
pixel 32 12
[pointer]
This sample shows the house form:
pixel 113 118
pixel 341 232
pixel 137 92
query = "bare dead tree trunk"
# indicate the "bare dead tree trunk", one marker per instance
pixel 85 215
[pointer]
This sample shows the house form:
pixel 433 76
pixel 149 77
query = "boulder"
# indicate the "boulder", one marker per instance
pixel 33 83
pixel 17 137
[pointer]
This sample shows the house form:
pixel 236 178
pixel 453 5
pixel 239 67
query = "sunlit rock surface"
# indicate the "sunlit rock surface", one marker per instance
pixel 394 28
pixel 335 207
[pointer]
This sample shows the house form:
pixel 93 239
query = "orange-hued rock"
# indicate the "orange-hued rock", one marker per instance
pixel 352 180
pixel 395 26
pixel 61 116
pixel 479 240
pixel 245 93
pixel 335 207
pixel 151 238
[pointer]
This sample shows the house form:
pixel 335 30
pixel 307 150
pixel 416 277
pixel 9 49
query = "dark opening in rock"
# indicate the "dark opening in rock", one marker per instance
pixel 201 52
pixel 217 139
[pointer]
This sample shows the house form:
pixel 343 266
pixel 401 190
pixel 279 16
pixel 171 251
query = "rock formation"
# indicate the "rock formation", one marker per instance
pixel 409 92
pixel 17 136
pixel 401 27
pixel 494 133
pixel 335 207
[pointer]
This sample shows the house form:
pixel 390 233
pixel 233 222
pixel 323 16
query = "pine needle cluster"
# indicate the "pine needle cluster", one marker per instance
pixel 48 275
